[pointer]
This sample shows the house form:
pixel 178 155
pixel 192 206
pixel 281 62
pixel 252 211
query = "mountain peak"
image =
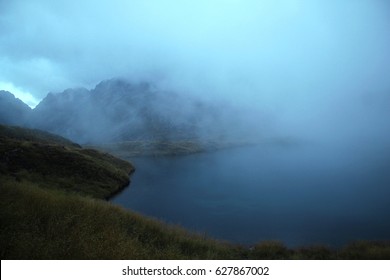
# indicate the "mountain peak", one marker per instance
pixel 13 111
pixel 115 110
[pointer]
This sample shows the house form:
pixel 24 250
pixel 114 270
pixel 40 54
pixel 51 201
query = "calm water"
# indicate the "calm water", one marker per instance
pixel 307 194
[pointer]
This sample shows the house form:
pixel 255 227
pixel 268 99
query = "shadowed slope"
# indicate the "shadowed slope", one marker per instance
pixel 54 162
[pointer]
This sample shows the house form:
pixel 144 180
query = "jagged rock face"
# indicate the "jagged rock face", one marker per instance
pixel 116 110
pixel 63 113
pixel 12 110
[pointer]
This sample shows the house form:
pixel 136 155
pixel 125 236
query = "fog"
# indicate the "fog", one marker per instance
pixel 303 69
pixel 309 80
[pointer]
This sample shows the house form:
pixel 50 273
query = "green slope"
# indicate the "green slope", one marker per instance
pixel 39 223
pixel 54 162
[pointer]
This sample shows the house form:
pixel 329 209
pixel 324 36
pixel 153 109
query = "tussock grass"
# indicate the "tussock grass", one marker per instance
pixel 60 165
pixel 315 252
pixel 33 135
pixel 41 223
pixel 366 249
pixel 270 250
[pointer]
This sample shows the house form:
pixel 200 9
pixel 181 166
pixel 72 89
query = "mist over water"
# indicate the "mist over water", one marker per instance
pixel 300 195
pixel 308 81
pixel 295 68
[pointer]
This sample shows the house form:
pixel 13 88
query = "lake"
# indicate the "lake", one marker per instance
pixel 312 193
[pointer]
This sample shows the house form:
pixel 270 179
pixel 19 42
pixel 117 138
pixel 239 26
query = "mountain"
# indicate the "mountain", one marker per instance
pixel 116 111
pixel 12 110
pixel 64 114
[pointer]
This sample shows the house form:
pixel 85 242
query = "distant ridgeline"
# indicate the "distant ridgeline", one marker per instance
pixel 116 110
pixel 12 110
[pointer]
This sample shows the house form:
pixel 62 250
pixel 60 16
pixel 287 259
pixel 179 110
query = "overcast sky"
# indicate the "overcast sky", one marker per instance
pixel 284 57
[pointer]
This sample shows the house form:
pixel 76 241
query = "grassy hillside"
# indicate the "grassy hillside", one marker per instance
pixel 33 135
pixel 54 162
pixel 38 223
pixel 51 208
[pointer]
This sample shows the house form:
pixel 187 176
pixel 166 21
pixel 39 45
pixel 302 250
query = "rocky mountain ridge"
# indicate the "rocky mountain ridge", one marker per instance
pixel 115 110
pixel 13 111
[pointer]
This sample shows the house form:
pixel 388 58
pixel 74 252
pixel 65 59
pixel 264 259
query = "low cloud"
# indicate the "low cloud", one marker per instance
pixel 27 97
pixel 295 60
